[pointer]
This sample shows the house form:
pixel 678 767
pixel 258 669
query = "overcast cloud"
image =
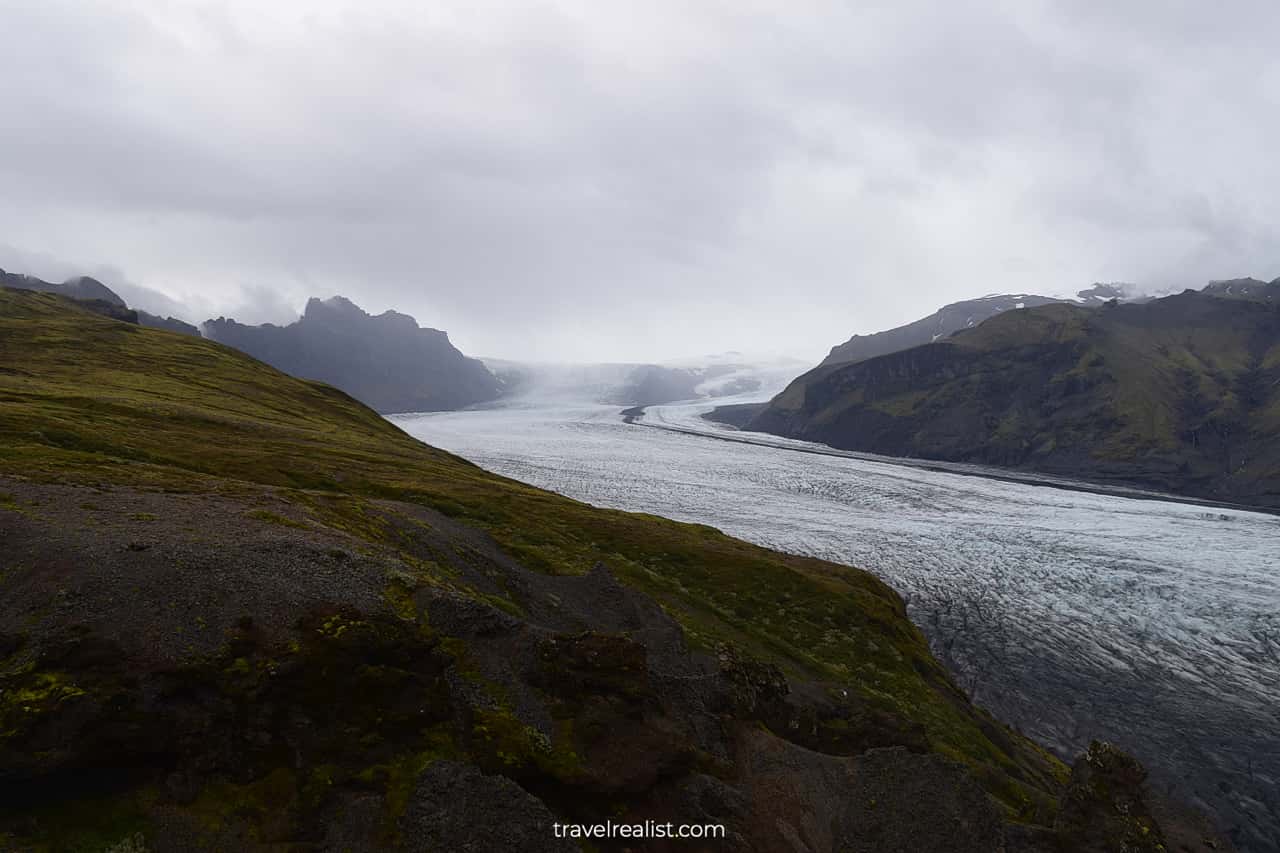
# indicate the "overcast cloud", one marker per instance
pixel 604 180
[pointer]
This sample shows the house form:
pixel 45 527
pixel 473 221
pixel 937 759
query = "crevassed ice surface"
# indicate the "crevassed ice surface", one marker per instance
pixel 1070 615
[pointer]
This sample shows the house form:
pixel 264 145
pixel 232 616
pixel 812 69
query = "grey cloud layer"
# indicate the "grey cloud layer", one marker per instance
pixel 640 180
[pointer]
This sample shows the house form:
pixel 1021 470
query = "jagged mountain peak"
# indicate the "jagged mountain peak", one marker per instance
pixel 386 360
pixel 317 308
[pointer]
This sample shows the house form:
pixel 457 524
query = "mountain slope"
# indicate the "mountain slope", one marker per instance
pixel 245 612
pixel 940 324
pixel 1180 394
pixel 386 361
pixel 959 316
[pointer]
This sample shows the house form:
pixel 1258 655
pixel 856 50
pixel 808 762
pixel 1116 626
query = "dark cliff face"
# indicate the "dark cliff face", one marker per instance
pixel 1179 394
pixel 385 361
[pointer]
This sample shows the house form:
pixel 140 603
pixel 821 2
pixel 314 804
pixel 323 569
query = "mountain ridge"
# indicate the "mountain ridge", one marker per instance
pixel 1176 394
pixel 965 314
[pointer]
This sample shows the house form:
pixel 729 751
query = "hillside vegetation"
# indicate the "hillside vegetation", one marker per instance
pixel 243 611
pixel 1180 394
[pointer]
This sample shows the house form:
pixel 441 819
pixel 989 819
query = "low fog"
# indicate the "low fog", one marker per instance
pixel 635 182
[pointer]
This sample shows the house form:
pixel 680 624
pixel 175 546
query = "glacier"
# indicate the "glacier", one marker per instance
pixel 1069 614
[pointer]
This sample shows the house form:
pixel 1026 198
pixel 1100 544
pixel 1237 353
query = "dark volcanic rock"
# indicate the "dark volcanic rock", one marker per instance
pixel 883 801
pixel 1104 807
pixel 456 807
pixel 385 361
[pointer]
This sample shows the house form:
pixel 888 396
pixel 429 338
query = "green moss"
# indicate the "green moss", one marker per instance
pixel 399 596
pixel 502 743
pixel 335 626
pixel 251 803
pixel 502 602
pixel 31 695
pixel 279 520
pixel 88 825
pixel 399 776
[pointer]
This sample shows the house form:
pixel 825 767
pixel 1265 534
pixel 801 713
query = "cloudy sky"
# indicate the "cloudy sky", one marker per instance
pixel 634 180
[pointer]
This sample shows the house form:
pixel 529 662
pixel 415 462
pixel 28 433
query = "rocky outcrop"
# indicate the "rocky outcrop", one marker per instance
pixel 454 806
pixel 386 361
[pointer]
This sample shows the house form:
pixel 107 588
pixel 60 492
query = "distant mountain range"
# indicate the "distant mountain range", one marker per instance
pixel 1180 393
pixel 386 361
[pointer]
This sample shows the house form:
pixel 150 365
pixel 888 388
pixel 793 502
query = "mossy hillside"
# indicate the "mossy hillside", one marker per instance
pixel 89 400
pixel 1178 394
pixel 277 728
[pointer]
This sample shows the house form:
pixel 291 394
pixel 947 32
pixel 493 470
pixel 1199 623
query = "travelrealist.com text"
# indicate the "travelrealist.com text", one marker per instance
pixel 645 829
